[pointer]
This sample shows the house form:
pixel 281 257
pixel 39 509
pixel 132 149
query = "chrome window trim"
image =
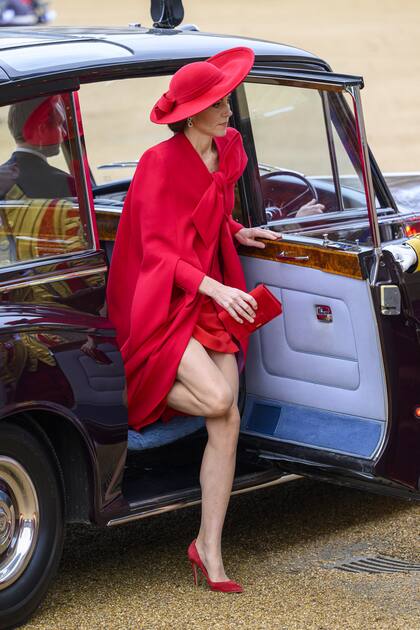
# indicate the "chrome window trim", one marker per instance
pixel 86 196
pixel 46 279
pixel 307 79
pixel 36 263
pixel 331 146
pixel 367 171
pixel 354 92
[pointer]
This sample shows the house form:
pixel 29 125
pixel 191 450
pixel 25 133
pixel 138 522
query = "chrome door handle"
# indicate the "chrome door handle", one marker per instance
pixel 324 313
pixel 285 256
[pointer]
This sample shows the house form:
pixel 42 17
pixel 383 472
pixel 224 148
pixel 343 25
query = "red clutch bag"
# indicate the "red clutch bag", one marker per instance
pixel 268 308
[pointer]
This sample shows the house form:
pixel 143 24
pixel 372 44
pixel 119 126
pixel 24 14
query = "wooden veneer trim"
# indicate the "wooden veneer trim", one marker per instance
pixel 329 260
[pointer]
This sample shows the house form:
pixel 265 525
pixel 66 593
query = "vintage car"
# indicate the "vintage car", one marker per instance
pixel 331 388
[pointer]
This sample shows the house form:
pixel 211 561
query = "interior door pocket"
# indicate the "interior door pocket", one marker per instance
pixel 308 426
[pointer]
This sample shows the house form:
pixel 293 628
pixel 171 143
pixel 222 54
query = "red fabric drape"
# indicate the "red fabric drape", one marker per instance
pixel 168 232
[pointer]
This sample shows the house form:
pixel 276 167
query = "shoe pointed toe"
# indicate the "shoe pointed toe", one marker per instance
pixel 228 586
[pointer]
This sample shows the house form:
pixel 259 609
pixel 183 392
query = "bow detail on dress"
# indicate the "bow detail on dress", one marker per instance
pixel 218 200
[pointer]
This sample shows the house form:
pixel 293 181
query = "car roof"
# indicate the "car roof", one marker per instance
pixel 43 51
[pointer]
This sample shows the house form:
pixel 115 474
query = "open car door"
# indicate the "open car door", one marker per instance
pixel 332 385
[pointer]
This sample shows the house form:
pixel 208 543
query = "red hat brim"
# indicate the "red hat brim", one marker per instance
pixel 235 63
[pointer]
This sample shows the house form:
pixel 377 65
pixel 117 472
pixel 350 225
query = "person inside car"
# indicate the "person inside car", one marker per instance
pixel 38 128
pixel 406 254
pixel 39 217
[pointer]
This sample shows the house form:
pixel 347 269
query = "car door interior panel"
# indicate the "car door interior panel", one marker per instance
pixel 307 349
pixel 321 383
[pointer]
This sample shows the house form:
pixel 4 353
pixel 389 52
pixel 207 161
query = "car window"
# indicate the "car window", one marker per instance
pixel 308 158
pixel 119 131
pixel 41 212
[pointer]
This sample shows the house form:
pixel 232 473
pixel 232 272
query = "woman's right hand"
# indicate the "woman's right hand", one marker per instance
pixel 237 303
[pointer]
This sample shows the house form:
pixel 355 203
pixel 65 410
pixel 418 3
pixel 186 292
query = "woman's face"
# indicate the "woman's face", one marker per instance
pixel 213 121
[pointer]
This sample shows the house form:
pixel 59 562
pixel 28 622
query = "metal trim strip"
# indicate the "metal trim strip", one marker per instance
pixel 182 504
pixel 328 81
pixel 56 278
pixel 87 204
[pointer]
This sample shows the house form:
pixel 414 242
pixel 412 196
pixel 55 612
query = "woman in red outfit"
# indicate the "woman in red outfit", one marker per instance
pixel 174 267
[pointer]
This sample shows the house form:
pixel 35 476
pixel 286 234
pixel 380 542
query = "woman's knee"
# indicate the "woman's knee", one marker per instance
pixel 219 401
pixel 206 381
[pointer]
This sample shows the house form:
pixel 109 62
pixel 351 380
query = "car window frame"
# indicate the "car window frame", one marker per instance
pixel 311 79
pixel 83 195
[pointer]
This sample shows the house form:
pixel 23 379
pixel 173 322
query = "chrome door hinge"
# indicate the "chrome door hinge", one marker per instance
pixel 390 299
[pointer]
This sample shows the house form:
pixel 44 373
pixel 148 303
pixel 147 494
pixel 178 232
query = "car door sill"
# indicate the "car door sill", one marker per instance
pixel 192 496
pixel 342 477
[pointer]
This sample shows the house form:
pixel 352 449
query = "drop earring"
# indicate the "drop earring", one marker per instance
pixel 189 121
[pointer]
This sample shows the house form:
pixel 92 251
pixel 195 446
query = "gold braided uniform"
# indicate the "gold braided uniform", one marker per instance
pixel 414 243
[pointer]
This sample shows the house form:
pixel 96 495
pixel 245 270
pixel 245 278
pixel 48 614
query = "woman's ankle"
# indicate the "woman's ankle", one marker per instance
pixel 210 548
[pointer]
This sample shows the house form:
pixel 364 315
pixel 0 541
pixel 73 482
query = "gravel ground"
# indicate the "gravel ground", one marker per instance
pixel 278 542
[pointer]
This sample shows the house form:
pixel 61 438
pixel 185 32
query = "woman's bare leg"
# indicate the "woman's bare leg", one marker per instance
pixel 201 388
pixel 208 385
pixel 217 473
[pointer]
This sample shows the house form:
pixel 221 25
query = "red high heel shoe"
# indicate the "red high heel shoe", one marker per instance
pixel 228 586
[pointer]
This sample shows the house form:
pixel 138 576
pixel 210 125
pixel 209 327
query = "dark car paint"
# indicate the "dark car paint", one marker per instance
pixel 62 335
pixel 401 350
pixel 149 52
pixel 142 45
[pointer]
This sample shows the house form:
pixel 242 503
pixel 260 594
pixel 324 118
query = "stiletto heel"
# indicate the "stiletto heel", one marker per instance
pixel 228 586
pixel 194 570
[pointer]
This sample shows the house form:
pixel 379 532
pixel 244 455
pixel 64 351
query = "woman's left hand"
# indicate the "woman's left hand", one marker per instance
pixel 247 236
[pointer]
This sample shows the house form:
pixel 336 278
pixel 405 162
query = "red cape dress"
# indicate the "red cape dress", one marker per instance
pixel 176 217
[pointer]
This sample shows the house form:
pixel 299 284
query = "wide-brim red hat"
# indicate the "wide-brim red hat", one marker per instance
pixel 199 84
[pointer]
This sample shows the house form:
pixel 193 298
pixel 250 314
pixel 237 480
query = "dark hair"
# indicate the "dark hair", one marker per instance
pixel 178 125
